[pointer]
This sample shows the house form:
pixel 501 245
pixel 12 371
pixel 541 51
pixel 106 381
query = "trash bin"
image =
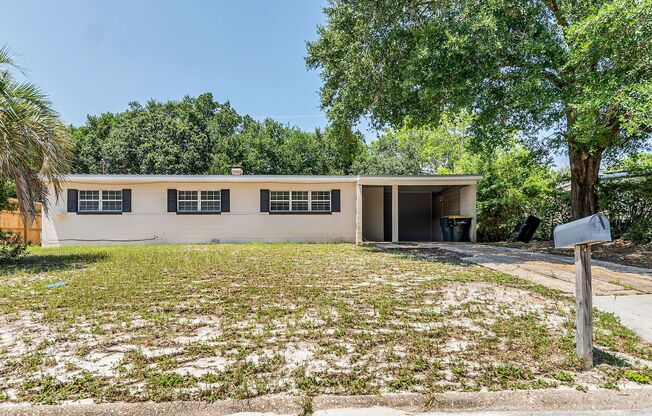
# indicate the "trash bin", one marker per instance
pixel 455 228
pixel 446 229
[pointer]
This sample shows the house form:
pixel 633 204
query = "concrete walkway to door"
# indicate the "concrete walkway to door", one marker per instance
pixel 622 290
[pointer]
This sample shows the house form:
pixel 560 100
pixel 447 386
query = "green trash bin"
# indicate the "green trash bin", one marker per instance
pixel 456 228
pixel 446 229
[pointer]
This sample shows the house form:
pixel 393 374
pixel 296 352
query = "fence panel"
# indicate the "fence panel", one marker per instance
pixel 13 221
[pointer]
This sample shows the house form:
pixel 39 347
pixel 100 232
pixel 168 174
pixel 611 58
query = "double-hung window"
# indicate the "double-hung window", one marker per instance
pixel 279 201
pixel 100 201
pixel 199 201
pixel 300 201
pixel 320 201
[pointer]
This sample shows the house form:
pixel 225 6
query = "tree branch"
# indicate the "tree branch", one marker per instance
pixel 554 8
pixel 553 78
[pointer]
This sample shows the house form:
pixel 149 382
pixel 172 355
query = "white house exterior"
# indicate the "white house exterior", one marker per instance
pixel 182 209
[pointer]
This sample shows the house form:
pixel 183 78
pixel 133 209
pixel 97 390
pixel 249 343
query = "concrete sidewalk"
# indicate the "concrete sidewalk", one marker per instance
pixel 635 311
pixel 381 411
pixel 510 402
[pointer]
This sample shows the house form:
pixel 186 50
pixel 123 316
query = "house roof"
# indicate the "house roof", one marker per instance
pixel 363 179
pixel 607 176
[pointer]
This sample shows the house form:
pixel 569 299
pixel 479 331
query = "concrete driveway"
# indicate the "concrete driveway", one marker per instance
pixel 625 291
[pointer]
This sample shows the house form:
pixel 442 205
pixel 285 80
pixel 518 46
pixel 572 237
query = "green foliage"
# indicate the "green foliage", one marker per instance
pixel 554 209
pixel 580 70
pixel 7 190
pixel 270 147
pixel 389 156
pixel 643 376
pixel 200 136
pixel 628 204
pixel 634 164
pixel 418 150
pixel 526 66
pixel 34 149
pixel 563 377
pixel 627 201
pixel 515 184
pixel 11 245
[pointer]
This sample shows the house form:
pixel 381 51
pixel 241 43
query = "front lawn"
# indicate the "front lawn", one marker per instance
pixel 235 321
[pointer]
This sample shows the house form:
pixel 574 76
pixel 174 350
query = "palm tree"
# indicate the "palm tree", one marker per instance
pixel 34 144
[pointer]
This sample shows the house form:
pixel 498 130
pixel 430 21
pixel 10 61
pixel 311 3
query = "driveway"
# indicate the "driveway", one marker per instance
pixel 625 291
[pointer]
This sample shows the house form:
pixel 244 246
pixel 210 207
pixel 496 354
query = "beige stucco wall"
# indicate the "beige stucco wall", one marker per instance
pixel 150 223
pixel 468 207
pixel 372 213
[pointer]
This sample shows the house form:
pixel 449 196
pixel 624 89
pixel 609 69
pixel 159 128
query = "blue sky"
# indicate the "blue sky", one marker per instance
pixel 97 56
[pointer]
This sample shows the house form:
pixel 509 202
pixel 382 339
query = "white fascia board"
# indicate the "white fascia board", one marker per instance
pixel 448 180
pixel 362 180
pixel 147 179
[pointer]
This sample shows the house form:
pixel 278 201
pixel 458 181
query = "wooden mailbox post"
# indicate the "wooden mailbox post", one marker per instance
pixel 581 235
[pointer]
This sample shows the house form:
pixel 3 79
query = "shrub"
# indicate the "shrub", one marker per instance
pixel 627 202
pixel 11 245
pixel 554 209
pixel 515 184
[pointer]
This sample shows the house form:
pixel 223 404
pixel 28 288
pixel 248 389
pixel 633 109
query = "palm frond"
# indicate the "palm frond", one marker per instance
pixel 35 147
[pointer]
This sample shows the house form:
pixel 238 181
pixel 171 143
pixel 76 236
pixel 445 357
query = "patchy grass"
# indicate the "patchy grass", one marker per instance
pixel 238 321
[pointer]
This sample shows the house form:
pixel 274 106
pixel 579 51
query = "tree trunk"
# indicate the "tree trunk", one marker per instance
pixel 584 178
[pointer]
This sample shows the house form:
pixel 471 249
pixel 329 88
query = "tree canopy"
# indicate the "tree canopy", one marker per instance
pixel 581 70
pixel 200 136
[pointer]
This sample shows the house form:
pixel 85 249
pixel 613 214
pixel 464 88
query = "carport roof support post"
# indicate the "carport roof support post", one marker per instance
pixel 358 214
pixel 395 213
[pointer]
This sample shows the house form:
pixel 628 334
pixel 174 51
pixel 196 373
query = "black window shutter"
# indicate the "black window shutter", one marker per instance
pixel 335 200
pixel 72 200
pixel 264 200
pixel 172 200
pixel 126 200
pixel 225 196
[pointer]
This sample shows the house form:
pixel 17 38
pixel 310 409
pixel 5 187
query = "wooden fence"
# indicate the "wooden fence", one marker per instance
pixel 13 221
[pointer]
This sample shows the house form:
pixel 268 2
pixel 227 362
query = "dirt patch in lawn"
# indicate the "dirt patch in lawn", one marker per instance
pixel 618 251
pixel 239 321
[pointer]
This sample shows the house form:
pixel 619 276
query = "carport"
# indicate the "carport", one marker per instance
pixel 408 208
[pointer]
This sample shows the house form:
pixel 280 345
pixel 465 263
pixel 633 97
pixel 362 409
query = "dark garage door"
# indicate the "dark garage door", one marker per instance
pixel 415 216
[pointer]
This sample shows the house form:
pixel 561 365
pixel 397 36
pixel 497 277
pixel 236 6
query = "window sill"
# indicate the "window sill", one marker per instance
pixel 300 212
pixel 199 212
pixel 99 212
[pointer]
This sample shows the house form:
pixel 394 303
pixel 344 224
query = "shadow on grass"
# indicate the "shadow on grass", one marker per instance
pixel 39 263
pixel 605 357
pixel 416 252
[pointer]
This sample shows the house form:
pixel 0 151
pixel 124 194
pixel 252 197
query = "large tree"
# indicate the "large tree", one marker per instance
pixel 34 146
pixel 579 69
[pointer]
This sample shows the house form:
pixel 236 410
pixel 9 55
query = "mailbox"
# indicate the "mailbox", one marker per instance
pixel 589 230
pixel 582 234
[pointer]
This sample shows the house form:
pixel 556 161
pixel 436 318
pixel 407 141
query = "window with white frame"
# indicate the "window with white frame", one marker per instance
pixel 279 201
pixel 300 201
pixel 199 201
pixel 320 200
pixel 97 201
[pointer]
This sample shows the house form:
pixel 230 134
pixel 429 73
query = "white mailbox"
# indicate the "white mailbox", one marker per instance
pixel 588 231
pixel 581 235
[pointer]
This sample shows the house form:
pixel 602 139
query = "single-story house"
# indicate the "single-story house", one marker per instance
pixel 170 209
